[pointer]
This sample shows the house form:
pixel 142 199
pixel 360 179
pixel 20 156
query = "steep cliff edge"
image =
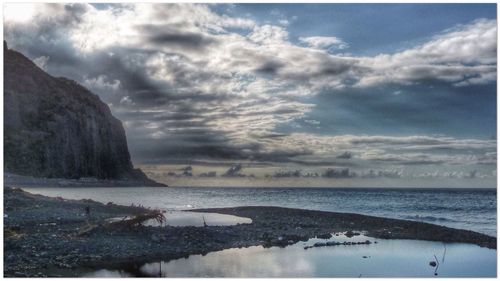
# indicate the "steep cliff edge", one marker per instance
pixel 56 128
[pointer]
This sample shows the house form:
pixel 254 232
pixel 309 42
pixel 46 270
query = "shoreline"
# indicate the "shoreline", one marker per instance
pixel 377 227
pixel 43 233
pixel 31 182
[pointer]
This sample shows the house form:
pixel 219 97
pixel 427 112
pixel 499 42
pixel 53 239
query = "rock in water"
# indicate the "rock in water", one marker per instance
pixel 56 128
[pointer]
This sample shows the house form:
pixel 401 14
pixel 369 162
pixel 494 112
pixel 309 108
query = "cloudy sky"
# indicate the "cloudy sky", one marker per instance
pixel 284 94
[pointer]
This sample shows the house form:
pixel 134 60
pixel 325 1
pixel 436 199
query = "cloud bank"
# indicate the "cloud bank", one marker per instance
pixel 191 83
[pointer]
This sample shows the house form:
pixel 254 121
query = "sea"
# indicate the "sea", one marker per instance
pixel 465 208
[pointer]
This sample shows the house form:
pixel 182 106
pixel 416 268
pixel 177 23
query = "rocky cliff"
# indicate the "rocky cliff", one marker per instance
pixel 56 128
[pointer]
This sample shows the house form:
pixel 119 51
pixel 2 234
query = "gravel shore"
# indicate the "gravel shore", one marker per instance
pixel 53 237
pixel 28 181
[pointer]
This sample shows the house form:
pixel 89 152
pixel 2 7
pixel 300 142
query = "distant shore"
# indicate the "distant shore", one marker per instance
pixel 53 237
pixel 28 181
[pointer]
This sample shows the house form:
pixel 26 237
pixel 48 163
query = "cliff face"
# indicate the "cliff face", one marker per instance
pixel 54 127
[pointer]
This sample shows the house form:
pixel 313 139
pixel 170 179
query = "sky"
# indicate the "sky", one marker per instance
pixel 284 94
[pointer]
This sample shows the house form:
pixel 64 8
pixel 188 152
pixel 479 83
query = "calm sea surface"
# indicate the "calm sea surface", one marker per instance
pixel 473 209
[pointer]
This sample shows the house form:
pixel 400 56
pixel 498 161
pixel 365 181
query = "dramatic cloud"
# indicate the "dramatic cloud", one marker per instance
pixel 463 55
pixel 190 83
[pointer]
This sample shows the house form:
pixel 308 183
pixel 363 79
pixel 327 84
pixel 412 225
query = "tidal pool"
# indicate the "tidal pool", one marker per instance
pixel 386 258
pixel 186 218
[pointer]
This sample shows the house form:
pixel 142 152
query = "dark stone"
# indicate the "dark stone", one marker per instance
pixel 324 236
pixel 351 233
pixel 155 238
pixel 20 274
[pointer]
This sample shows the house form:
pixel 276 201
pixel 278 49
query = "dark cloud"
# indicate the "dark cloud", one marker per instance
pixel 188 144
pixel 184 40
pixel 74 12
pixel 167 35
pixel 187 171
pixel 135 83
pixel 288 174
pixel 270 68
pixel 343 173
pixel 335 68
pixel 311 175
pixel 345 71
pixel 338 173
pixel 234 171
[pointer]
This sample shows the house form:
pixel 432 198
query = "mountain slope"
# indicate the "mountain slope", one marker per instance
pixel 56 128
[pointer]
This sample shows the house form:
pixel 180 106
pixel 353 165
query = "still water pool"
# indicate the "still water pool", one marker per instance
pixel 184 218
pixel 386 258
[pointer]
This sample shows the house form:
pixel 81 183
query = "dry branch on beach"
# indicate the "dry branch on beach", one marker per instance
pixel 139 219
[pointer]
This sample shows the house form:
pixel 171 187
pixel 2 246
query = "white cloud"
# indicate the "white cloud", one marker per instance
pixel 324 42
pixel 269 34
pixel 41 61
pixel 18 12
pixel 126 101
pixel 102 83
pixel 463 55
